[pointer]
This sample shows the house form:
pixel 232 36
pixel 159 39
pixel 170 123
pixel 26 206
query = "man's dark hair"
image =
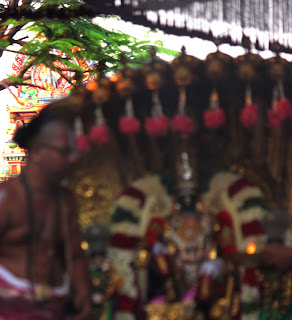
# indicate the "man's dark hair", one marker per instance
pixel 26 134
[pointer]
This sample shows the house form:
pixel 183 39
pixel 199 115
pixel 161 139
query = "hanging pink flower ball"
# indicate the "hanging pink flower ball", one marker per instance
pixel 274 118
pixel 82 143
pixel 157 126
pixel 284 108
pixel 182 124
pixel 214 118
pixel 129 125
pixel 249 115
pixel 99 134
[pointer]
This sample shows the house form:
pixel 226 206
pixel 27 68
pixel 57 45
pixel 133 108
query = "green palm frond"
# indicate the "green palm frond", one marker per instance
pixel 78 39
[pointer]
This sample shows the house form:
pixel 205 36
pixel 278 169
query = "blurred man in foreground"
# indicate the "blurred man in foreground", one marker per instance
pixel 41 261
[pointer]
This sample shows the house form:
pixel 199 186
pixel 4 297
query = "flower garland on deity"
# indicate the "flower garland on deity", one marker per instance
pixel 239 207
pixel 133 209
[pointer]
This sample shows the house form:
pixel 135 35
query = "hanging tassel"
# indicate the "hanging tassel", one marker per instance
pixel 82 141
pixel 182 123
pixel 284 108
pixel 99 133
pixel 157 125
pixel 249 114
pixel 214 117
pixel 274 118
pixel 281 107
pixel 128 124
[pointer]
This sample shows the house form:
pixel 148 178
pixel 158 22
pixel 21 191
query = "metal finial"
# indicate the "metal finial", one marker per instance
pixel 152 52
pixel 217 42
pixel 183 50
pixel 123 59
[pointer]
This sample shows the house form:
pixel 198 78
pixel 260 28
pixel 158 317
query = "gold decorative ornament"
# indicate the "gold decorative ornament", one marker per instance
pixel 95 183
pixel 142 259
pixel 216 65
pixel 247 66
pixel 126 79
pixel 277 68
pixel 100 90
pixel 153 80
pixel 125 87
pixel 154 71
pixel 183 76
pixel 185 69
pixel 170 311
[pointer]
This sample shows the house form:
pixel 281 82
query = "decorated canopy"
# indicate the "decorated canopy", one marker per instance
pixel 220 111
pixel 264 23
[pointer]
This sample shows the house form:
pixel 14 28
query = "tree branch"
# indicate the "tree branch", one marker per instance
pixel 5 83
pixel 63 76
pixel 60 73
pixel 13 31
pixel 20 52
pixel 23 70
pixel 6 86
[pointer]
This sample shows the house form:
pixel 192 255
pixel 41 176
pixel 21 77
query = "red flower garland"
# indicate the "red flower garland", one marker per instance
pixel 182 124
pixel 214 119
pixel 249 115
pixel 82 143
pixel 274 118
pixel 129 125
pixel 157 126
pixel 284 108
pixel 99 134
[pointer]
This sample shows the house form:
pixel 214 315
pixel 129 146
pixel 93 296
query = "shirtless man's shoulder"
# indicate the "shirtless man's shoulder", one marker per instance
pixel 7 186
pixel 11 197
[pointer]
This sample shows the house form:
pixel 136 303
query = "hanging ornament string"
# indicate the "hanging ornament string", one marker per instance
pixel 99 133
pixel 157 124
pixel 181 122
pixel 128 123
pixel 273 114
pixel 214 117
pixel 182 101
pixel 249 114
pixel 276 145
pixel 157 107
pixel 82 140
pixel 281 107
